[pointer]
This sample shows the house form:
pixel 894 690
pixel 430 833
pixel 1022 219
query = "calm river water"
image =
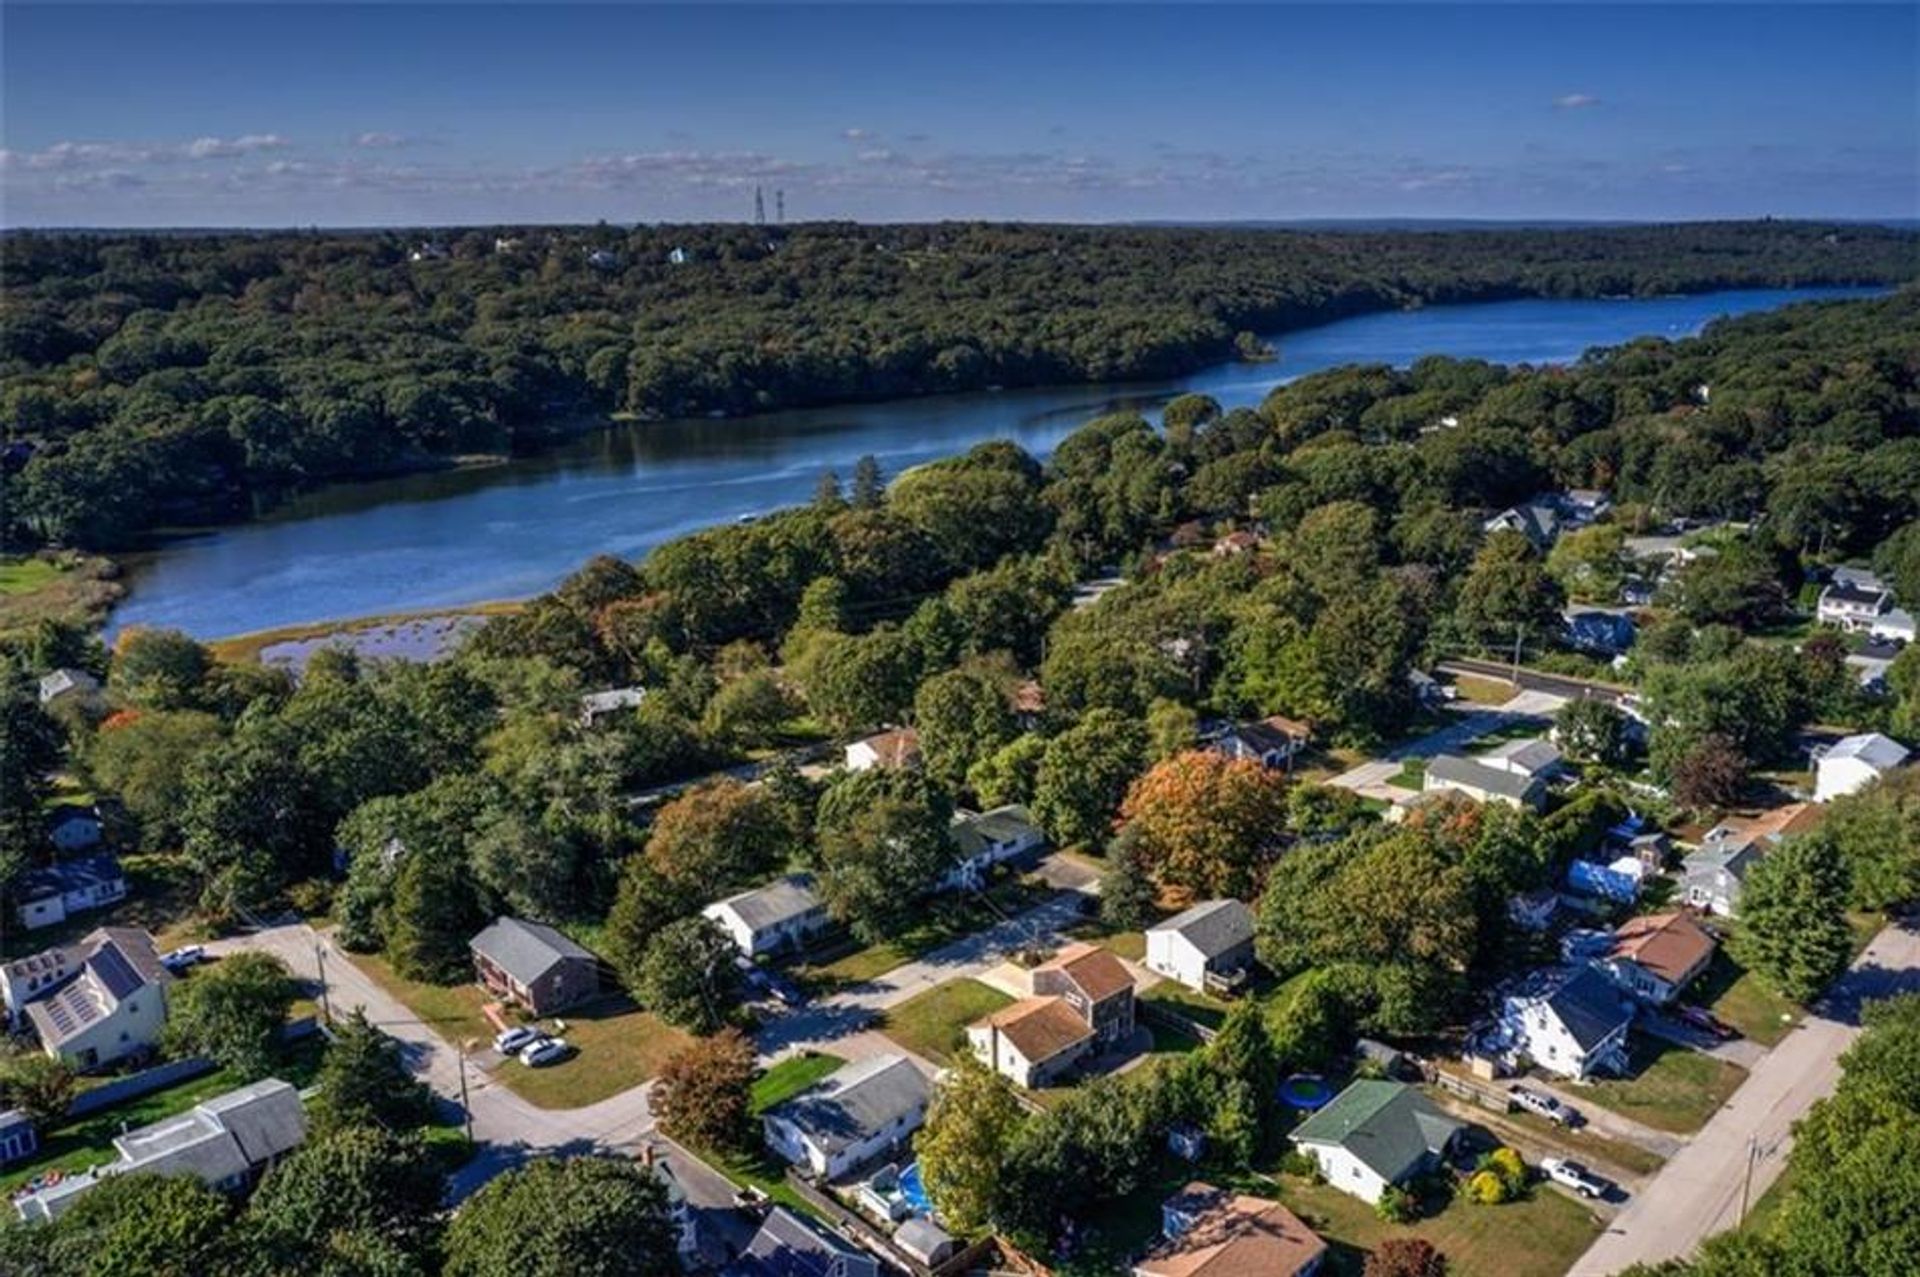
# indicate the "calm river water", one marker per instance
pixel 455 537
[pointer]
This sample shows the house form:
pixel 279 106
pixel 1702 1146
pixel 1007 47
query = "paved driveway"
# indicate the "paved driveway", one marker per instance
pixel 1699 1192
pixel 1371 778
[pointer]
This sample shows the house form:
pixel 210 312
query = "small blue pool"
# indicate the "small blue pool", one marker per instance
pixel 1306 1092
pixel 914 1191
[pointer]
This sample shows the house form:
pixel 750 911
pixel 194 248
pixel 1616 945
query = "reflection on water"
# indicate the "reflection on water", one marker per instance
pixel 449 537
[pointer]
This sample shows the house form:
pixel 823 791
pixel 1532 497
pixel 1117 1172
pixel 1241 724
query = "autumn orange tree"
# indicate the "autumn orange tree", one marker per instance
pixel 1207 823
pixel 705 1090
pixel 718 836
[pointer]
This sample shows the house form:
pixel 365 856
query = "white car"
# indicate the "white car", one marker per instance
pixel 1576 1177
pixel 1545 1105
pixel 545 1051
pixel 177 960
pixel 515 1040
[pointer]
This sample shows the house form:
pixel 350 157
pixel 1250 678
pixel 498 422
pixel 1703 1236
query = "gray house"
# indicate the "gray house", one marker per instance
pixel 851 1117
pixel 227 1142
pixel 1483 783
pixel 1207 946
pixel 534 965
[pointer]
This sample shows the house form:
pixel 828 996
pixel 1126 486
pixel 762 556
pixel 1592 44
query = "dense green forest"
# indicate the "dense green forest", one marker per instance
pixel 471 787
pixel 169 379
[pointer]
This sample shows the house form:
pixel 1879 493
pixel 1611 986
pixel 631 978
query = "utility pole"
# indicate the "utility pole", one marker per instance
pixel 1746 1185
pixel 1519 636
pixel 320 958
pixel 466 1109
pixel 759 207
pixel 779 208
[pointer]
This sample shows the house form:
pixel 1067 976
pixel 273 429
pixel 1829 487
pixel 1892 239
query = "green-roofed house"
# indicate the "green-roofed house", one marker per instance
pixel 1374 1134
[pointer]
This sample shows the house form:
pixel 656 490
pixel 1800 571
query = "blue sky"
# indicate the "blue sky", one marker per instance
pixel 290 115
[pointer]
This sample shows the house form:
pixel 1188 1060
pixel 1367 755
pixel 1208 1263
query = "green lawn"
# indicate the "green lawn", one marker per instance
pixel 1672 1088
pixel 1740 998
pixel 790 1077
pixel 1180 1000
pixel 1539 1236
pixel 949 919
pixel 618 1046
pixel 89 1141
pixel 1484 691
pixel 1412 774
pixel 933 1024
pixel 1131 945
pixel 24 576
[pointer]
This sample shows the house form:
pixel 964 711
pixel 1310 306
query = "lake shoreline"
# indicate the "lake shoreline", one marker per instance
pixel 435 543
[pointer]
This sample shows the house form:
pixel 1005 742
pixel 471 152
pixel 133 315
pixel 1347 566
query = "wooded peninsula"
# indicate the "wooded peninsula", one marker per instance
pixel 182 379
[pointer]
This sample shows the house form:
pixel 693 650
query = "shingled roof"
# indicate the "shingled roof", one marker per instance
pixel 1212 926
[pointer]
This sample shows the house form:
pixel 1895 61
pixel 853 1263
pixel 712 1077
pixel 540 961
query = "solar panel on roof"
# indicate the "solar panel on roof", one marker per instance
pixel 114 972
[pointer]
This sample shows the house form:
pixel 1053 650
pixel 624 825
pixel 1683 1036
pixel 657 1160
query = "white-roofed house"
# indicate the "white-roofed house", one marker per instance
pixel 226 1142
pixel 65 683
pixel 595 706
pixel 783 914
pixel 1207 947
pixel 851 1117
pixel 1855 762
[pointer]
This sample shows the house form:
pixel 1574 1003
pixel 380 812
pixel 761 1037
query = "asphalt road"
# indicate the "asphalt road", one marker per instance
pixel 1372 779
pixel 506 1129
pixel 1700 1191
pixel 1561 685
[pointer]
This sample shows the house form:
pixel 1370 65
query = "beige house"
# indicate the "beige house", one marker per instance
pixel 95 1002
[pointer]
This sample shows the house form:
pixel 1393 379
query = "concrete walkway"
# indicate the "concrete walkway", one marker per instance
pixel 1701 1191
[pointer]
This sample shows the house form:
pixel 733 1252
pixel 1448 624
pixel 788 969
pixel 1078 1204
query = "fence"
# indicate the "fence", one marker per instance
pixel 134 1085
pixel 162 1076
pixel 1166 1017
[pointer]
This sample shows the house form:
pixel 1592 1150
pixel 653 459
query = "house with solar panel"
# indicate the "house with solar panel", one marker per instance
pixel 93 1002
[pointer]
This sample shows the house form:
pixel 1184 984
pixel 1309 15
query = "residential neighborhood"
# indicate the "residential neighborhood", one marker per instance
pixel 1409 823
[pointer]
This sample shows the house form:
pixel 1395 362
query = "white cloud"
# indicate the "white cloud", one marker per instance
pixel 1574 101
pixel 375 140
pixel 214 148
pixel 856 135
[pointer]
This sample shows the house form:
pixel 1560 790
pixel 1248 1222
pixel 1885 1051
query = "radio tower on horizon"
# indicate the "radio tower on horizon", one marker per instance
pixel 759 207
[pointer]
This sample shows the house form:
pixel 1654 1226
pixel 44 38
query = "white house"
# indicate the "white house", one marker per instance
pixel 1655 956
pixel 1575 1025
pixel 1032 1043
pixel 1852 602
pixel 1272 742
pixel 226 1142
pixel 93 1002
pixel 1853 763
pixel 1713 877
pixel 1481 782
pixel 784 914
pixel 1204 948
pixel 851 1117
pixel 50 894
pixel 1376 1134
pixel 987 838
pixel 893 750
pixel 595 706
pixel 67 682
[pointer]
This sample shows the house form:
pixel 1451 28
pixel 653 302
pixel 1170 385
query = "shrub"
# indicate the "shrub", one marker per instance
pixel 1487 1189
pixel 1396 1206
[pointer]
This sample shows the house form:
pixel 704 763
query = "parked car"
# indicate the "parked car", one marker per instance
pixel 1576 1177
pixel 178 960
pixel 1544 1105
pixel 785 990
pixel 1705 1021
pixel 515 1040
pixel 545 1051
